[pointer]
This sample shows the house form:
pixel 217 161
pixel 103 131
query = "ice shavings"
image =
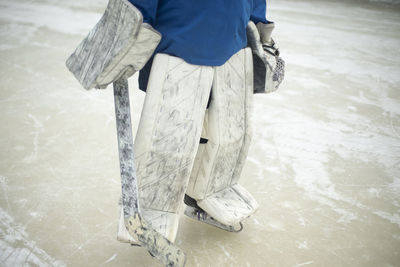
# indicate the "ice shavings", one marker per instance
pixel 305 149
pixel 4 188
pixel 38 126
pixel 333 45
pixel 111 258
pixel 394 2
pixel 46 15
pixel 16 249
pixel 393 218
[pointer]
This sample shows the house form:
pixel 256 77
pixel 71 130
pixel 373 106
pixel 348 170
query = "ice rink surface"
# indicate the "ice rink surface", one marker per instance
pixel 324 164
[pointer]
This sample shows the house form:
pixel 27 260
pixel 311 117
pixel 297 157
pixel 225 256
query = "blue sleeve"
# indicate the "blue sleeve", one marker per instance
pixel 148 9
pixel 259 12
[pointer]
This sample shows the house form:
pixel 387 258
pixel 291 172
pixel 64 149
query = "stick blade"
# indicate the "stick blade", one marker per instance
pixel 157 245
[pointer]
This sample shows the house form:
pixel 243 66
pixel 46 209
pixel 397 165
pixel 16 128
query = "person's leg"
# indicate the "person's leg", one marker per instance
pixel 168 137
pixel 219 162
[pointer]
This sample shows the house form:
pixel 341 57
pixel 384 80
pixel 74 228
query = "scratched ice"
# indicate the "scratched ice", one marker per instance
pixel 324 163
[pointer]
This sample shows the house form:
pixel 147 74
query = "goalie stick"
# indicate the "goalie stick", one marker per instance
pixel 157 245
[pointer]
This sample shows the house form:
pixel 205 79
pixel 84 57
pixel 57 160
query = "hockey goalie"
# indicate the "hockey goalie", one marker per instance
pixel 200 63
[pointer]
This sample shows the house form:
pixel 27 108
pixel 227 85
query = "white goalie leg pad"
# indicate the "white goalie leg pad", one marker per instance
pixel 168 137
pixel 219 162
pixel 119 44
pixel 166 223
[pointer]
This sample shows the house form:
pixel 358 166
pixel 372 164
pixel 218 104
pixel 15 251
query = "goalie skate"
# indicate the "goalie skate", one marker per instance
pixel 195 212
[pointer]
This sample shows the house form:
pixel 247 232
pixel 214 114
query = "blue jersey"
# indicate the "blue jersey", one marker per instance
pixel 201 32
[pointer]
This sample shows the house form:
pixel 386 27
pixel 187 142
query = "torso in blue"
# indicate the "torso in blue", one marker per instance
pixel 201 32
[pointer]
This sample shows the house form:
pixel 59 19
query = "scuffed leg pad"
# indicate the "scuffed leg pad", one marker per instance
pixel 229 206
pixel 165 223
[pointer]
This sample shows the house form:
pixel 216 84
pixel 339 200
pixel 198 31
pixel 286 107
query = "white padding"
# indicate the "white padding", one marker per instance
pixel 169 130
pixel 219 163
pixel 119 44
pixel 165 223
pixel 230 206
pixel 168 137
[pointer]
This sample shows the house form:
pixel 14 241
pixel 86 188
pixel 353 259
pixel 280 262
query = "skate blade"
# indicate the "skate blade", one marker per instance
pixel 205 218
pixel 157 245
